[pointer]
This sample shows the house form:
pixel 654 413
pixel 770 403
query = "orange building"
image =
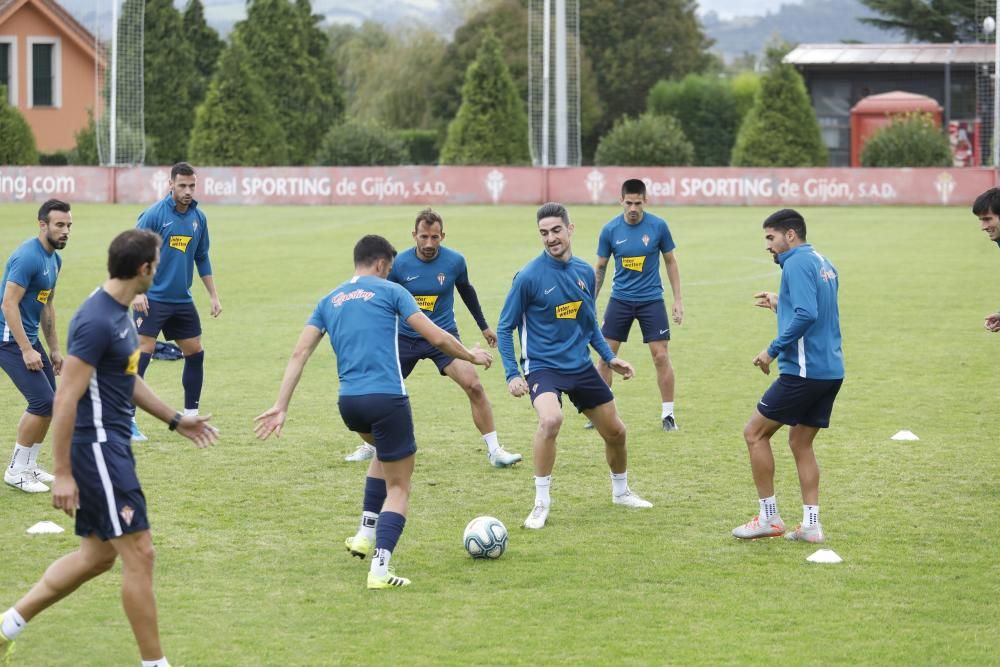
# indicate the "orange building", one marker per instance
pixel 48 62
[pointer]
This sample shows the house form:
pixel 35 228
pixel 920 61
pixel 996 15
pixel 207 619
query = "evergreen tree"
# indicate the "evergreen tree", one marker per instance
pixel 781 129
pixel 17 143
pixel 168 65
pixel 491 126
pixel 927 20
pixel 291 55
pixel 205 46
pixel 237 124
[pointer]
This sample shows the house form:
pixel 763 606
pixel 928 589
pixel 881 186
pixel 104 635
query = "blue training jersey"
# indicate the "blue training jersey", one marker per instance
pixel 432 284
pixel 362 317
pixel 35 269
pixel 637 249
pixel 103 335
pixel 551 304
pixel 185 245
pixel 808 342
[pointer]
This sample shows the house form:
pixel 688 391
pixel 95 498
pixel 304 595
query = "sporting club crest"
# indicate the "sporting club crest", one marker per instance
pixel 441 278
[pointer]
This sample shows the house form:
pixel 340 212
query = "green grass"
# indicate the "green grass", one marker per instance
pixel 250 564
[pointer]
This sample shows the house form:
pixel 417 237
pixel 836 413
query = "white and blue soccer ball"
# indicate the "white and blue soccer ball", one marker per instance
pixel 485 537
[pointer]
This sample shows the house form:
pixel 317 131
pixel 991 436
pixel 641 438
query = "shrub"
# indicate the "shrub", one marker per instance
pixel 358 143
pixel 85 150
pixel 17 143
pixel 910 140
pixel 422 146
pixel 706 109
pixel 645 141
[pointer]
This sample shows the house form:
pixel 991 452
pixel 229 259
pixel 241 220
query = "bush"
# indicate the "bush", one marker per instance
pixel 358 143
pixel 422 146
pixel 17 143
pixel 645 141
pixel 54 159
pixel 85 150
pixel 707 110
pixel 781 129
pixel 910 140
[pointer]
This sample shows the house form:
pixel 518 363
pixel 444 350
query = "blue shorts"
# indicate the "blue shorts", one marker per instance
pixel 111 501
pixel 412 350
pixel 792 400
pixel 38 387
pixel 586 388
pixel 177 321
pixel 385 416
pixel 652 316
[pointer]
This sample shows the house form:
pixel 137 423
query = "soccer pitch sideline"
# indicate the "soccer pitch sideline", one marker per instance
pixel 251 565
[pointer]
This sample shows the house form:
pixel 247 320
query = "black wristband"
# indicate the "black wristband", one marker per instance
pixel 174 421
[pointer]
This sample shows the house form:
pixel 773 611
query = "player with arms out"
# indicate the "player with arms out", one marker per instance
pixel 95 477
pixel 362 316
pixel 29 283
pixel 637 239
pixel 169 307
pixel 551 305
pixel 811 367
pixel 432 273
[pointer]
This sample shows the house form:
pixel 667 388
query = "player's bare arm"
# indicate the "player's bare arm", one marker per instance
pixel 674 276
pixel 48 322
pixel 600 270
pixel 12 295
pixel 273 419
pixel 766 300
pixel 213 295
pixel 447 343
pixel 195 428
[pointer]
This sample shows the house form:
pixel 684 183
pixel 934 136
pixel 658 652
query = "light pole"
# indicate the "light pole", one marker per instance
pixel 989 28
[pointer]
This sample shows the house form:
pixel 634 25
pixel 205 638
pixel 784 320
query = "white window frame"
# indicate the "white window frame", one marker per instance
pixel 56 71
pixel 12 63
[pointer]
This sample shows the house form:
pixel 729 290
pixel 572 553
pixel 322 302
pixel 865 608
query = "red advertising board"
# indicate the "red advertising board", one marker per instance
pixel 666 186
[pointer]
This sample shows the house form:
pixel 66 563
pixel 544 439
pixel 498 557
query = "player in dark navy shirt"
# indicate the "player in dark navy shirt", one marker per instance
pixel 987 209
pixel 95 477
pixel 169 306
pixel 362 316
pixel 637 239
pixel 28 288
pixel 551 306
pixel 433 273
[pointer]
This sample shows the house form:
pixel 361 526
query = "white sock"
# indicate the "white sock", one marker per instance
pixel 492 444
pixel 768 507
pixel 542 485
pixel 162 662
pixel 190 412
pixel 667 409
pixel 810 515
pixel 20 459
pixel 13 624
pixel 367 526
pixel 380 562
pixel 619 483
pixel 33 454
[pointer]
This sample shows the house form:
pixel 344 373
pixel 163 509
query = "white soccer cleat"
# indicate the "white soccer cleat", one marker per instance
pixel 24 480
pixel 363 453
pixel 537 518
pixel 755 528
pixel 629 499
pixel 41 475
pixel 501 458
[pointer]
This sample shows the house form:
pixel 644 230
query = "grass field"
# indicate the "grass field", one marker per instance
pixel 250 562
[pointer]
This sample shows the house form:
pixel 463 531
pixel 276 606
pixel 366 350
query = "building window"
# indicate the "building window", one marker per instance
pixel 8 68
pixel 44 80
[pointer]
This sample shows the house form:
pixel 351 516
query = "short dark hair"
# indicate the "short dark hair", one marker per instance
pixel 988 202
pixel 786 219
pixel 181 169
pixel 49 206
pixel 372 248
pixel 634 186
pixel 129 251
pixel 428 216
pixel 552 210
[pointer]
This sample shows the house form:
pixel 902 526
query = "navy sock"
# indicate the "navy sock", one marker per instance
pixel 389 528
pixel 192 378
pixel 374 495
pixel 144 359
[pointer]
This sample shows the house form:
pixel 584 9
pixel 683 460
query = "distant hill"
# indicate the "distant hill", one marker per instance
pixel 813 21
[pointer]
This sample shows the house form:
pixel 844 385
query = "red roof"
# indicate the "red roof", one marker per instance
pixel 897 101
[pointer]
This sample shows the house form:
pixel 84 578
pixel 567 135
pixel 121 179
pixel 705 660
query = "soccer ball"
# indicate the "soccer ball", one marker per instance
pixel 485 537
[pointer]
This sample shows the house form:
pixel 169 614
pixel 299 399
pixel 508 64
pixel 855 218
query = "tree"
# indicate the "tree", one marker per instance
pixel 85 149
pixel 361 143
pixel 491 126
pixel 635 44
pixel 168 65
pixel 910 140
pixel 650 140
pixel 237 124
pixel 205 47
pixel 290 53
pixel 17 143
pixel 781 129
pixel 927 20
pixel 707 110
